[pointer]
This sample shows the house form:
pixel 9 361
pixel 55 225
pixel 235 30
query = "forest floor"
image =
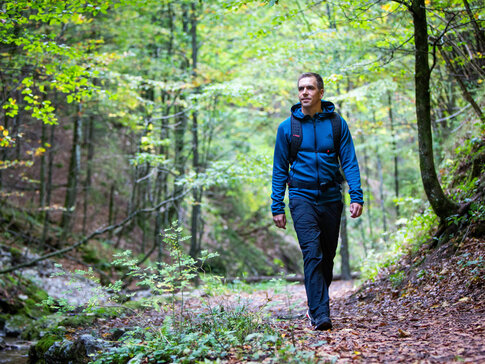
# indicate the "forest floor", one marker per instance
pixel 427 307
pixel 434 314
pixel 406 330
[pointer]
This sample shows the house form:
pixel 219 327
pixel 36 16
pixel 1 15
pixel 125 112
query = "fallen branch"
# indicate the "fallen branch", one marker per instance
pixel 92 235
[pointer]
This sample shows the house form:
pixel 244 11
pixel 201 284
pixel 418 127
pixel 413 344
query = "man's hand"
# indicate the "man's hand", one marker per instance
pixel 355 210
pixel 280 221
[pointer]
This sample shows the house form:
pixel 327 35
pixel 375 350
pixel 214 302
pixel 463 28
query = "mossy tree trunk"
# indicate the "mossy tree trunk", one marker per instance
pixel 197 191
pixel 441 204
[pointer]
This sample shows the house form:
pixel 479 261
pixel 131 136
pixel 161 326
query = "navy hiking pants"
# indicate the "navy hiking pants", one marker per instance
pixel 317 228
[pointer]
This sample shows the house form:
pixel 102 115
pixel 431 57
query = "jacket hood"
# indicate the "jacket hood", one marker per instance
pixel 327 108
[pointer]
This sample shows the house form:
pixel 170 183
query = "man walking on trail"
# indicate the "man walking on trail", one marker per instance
pixel 308 147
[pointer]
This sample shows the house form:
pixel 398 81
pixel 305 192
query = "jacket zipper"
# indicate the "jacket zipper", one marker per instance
pixel 316 152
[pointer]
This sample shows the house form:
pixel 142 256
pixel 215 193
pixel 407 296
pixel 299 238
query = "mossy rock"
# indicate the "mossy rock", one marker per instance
pixel 16 324
pixel 20 295
pixel 37 351
pixel 45 325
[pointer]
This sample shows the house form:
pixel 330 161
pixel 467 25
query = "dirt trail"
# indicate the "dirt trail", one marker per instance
pixel 390 331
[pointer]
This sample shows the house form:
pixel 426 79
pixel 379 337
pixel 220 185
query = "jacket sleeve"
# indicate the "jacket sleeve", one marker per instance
pixel 280 171
pixel 350 165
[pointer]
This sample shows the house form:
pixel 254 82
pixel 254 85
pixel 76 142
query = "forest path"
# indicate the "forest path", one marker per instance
pixel 387 330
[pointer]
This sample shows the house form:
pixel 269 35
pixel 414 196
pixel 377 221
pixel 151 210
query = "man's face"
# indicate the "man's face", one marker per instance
pixel 308 92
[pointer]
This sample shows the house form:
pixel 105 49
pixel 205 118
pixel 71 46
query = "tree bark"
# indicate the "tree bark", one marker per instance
pixel 50 162
pixel 344 242
pixel 196 191
pixel 441 205
pixel 42 187
pixel 72 178
pixel 394 151
pixel 89 168
pixel 368 200
pixel 381 190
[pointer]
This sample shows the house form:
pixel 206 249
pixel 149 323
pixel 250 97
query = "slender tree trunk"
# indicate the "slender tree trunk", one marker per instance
pixel 197 191
pixel 381 189
pixel 368 200
pixel 344 242
pixel 111 209
pixel 3 151
pixel 50 162
pixel 89 167
pixel 42 187
pixel 394 151
pixel 73 177
pixel 442 206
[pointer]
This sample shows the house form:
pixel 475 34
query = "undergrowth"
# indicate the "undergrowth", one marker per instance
pixel 464 183
pixel 163 328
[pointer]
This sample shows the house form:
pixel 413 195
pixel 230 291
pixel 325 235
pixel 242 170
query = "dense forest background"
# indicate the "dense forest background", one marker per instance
pixel 121 118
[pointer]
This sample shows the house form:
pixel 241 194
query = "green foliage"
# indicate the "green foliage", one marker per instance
pixel 397 278
pixel 209 335
pixel 409 238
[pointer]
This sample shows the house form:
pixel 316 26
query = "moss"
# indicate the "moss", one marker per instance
pixel 16 253
pixel 38 350
pixel 108 312
pixel 18 323
pixel 12 287
pixel 136 305
pixel 78 320
pixel 46 324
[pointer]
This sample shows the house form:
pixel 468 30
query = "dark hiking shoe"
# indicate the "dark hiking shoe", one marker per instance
pixel 324 324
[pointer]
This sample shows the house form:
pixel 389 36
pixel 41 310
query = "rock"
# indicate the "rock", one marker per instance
pixel 81 351
pixel 37 351
pixel 59 352
pixel 3 344
pixel 116 334
pixel 16 324
pixel 87 345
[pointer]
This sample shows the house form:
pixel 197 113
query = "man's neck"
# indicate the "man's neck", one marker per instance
pixel 311 111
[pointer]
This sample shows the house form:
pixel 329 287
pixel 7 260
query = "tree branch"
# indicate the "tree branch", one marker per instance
pixel 92 235
pixel 438 39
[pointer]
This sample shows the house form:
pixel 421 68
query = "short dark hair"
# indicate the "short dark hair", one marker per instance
pixel 312 74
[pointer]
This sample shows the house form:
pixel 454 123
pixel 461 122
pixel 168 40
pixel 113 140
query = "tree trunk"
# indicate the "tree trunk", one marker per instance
pixel 368 202
pixel 42 187
pixel 344 242
pixel 50 162
pixel 441 205
pixel 111 209
pixel 196 191
pixel 394 151
pixel 89 167
pixel 381 190
pixel 72 178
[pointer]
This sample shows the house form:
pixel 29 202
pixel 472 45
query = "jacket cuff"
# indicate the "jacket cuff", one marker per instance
pixel 278 213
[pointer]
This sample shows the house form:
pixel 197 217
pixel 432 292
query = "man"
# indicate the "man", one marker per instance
pixel 313 180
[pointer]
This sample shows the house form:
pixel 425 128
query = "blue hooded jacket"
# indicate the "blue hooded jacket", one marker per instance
pixel 313 164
